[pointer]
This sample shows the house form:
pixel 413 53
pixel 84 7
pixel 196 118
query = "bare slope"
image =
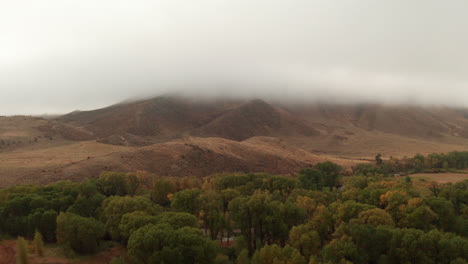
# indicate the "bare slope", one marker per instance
pixel 167 118
pixel 189 157
pixel 255 118
pixel 25 131
pixel 160 116
pixel 411 121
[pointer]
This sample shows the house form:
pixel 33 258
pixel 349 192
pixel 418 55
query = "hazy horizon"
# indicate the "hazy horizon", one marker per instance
pixel 59 56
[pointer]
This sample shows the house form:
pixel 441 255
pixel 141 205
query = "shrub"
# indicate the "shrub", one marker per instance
pixel 38 244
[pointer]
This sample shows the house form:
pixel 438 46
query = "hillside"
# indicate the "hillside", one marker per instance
pixel 412 121
pixel 162 119
pixel 178 136
pixel 26 131
pixel 189 157
pixel 255 118
pixel 160 116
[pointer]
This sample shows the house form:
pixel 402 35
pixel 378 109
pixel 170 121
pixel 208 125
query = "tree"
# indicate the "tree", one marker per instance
pixel 81 233
pixel 419 162
pixel 340 250
pixel 349 210
pixel 133 183
pixel 408 180
pixel 331 173
pixel 324 223
pixel 311 179
pixel 376 217
pixel 242 216
pixel 392 200
pixel 48 225
pixel 378 159
pixel 22 255
pixel 243 257
pixel 446 212
pixel 177 220
pixel 421 217
pixel 212 216
pixel 162 187
pixel 188 200
pixel 112 183
pixel 275 254
pixel 434 187
pixel 305 239
pixel 115 207
pixel 163 244
pixel 133 221
pixel 38 244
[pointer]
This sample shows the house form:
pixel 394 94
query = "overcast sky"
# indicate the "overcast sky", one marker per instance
pixel 60 55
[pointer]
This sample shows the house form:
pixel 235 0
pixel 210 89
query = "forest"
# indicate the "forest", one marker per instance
pixel 323 215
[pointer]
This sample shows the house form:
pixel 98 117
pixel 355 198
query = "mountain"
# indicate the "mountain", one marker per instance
pixel 166 118
pixel 177 136
pixel 159 116
pixel 404 120
pixel 255 118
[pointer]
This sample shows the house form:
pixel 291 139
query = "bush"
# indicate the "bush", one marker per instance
pixel 22 256
pixel 38 244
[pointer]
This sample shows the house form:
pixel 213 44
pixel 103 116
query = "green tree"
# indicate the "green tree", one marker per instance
pixel 133 221
pixel 277 255
pixel 305 239
pixel 311 179
pixel 341 250
pixel 162 187
pixel 350 209
pixel 212 216
pixel 177 219
pixel 188 200
pixel 134 183
pixel 243 257
pixel 376 217
pixel 115 207
pixel 378 159
pixel 419 162
pixel 331 173
pixel 112 183
pixel 48 225
pixel 163 244
pixel 81 233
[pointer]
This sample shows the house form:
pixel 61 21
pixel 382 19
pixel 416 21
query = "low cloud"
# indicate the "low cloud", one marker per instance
pixel 59 56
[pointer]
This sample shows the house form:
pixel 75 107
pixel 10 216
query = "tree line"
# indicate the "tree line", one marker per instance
pixel 320 216
pixel 435 162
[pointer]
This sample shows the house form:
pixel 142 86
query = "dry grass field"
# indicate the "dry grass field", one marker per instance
pixel 23 165
pixel 439 177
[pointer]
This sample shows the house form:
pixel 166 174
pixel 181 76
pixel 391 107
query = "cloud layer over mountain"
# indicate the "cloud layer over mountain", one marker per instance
pixel 61 55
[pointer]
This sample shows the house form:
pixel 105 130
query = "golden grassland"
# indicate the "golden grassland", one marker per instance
pixel 423 178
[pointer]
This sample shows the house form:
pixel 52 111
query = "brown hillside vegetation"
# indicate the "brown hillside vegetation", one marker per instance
pixel 171 117
pixel 194 157
pixel 177 136
pixel 412 121
pixel 161 116
pixel 255 118
pixel 25 131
